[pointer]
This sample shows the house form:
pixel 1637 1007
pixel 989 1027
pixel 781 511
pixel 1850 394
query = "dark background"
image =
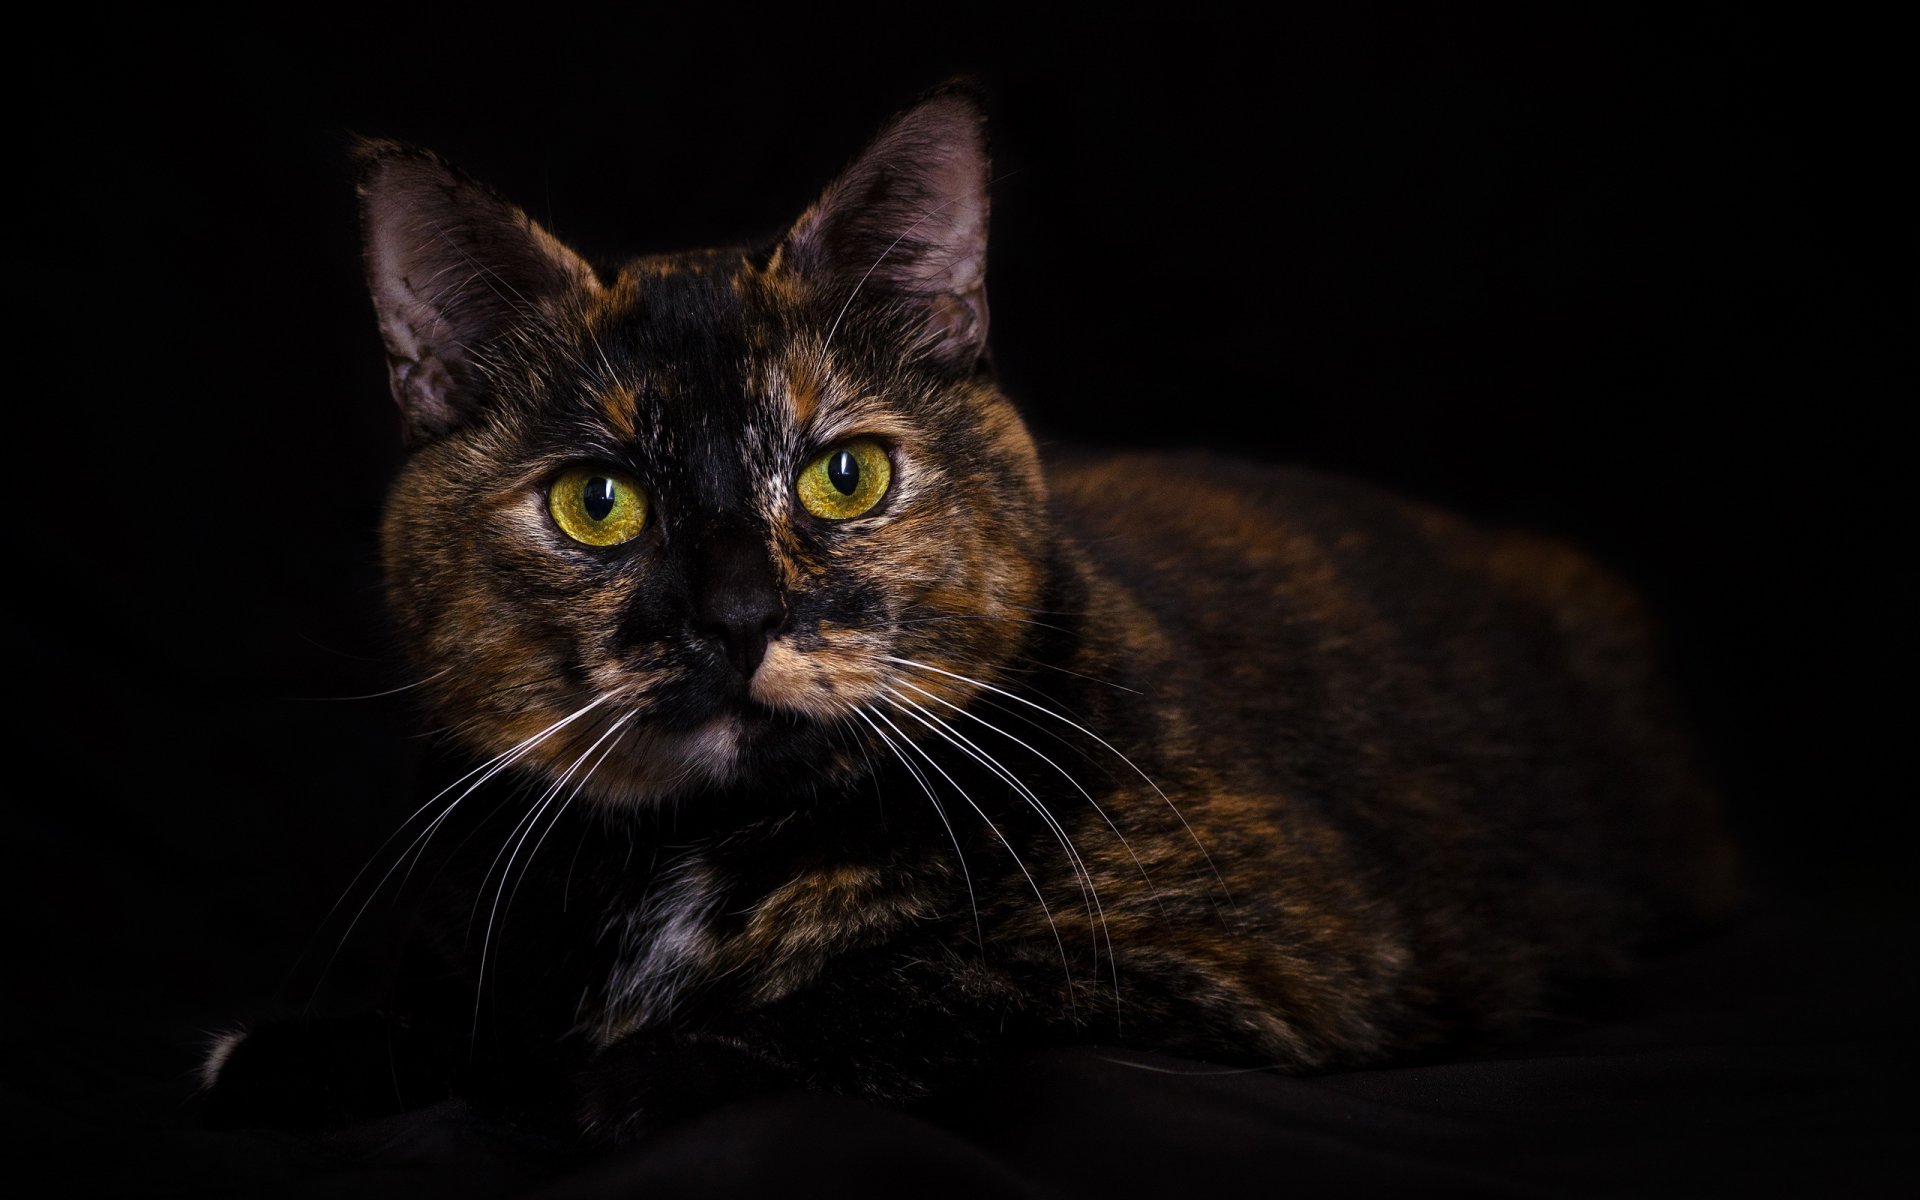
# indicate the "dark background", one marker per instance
pixel 1639 277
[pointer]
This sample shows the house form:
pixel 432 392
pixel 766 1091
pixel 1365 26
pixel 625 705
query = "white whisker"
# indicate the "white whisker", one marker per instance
pixel 529 822
pixel 491 767
pixel 852 294
pixel 419 847
pixel 1090 892
pixel 571 797
pixel 1088 796
pixel 972 902
pixel 1065 967
pixel 405 687
pixel 1201 846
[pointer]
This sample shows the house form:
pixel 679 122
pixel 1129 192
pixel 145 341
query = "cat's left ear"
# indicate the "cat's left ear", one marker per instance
pixel 906 225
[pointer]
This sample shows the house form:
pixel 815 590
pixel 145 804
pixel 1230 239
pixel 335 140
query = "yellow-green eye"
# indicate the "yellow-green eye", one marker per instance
pixel 846 481
pixel 598 506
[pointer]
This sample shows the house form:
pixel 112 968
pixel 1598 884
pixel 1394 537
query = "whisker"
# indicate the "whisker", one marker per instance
pixel 490 768
pixel 572 796
pixel 1065 968
pixel 518 793
pixel 1089 890
pixel 1218 878
pixel 529 822
pixel 899 622
pixel 521 751
pixel 532 814
pixel 1152 890
pixel 566 886
pixel 1201 1073
pixel 967 746
pixel 979 932
pixel 405 687
pixel 980 617
pixel 600 350
pixel 834 328
pixel 1118 687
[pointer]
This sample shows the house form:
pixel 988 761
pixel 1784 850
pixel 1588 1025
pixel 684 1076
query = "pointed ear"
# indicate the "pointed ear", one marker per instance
pixel 907 224
pixel 452 267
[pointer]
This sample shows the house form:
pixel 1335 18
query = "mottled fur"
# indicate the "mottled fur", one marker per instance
pixel 1250 764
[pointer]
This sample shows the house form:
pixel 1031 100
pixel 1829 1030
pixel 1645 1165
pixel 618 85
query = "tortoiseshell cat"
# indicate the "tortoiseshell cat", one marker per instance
pixel 878 743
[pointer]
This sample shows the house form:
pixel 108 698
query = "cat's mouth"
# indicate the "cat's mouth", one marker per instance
pixel 735 709
pixel 714 729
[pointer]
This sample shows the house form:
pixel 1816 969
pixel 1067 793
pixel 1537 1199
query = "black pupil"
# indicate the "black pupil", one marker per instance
pixel 598 497
pixel 843 472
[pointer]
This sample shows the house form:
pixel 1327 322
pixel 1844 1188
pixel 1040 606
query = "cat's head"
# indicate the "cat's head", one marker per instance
pixel 709 518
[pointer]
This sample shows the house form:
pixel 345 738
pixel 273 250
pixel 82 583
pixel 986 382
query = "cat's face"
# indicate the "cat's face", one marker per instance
pixel 676 526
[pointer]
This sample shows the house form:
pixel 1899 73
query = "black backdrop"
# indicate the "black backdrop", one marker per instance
pixel 1643 278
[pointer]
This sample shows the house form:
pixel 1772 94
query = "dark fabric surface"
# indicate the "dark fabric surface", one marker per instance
pixel 1773 1058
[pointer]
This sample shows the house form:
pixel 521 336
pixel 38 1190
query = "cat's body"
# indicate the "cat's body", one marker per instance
pixel 1242 763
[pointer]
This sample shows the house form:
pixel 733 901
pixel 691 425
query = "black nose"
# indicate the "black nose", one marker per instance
pixel 738 606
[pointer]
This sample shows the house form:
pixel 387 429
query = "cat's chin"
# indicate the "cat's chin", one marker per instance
pixel 670 762
pixel 745 746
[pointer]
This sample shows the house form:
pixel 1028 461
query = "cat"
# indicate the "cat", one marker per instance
pixel 879 742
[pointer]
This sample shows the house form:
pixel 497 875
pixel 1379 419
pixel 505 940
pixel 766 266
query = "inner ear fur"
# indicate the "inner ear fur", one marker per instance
pixel 453 267
pixel 906 225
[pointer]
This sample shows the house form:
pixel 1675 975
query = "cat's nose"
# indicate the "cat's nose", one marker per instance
pixel 741 630
pixel 738 606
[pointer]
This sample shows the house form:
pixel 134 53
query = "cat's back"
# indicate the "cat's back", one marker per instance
pixel 1191 528
pixel 1479 711
pixel 1286 563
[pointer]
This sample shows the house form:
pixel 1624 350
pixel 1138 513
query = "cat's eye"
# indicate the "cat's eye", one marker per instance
pixel 846 481
pixel 598 506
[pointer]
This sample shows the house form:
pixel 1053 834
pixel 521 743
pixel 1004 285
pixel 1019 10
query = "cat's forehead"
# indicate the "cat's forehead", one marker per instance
pixel 718 349
pixel 684 322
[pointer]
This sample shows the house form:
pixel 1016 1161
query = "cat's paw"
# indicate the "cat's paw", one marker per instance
pixel 220 1048
pixel 314 1074
pixel 651 1080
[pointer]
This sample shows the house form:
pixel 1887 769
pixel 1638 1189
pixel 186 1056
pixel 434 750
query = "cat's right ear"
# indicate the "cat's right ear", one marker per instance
pixel 453 268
